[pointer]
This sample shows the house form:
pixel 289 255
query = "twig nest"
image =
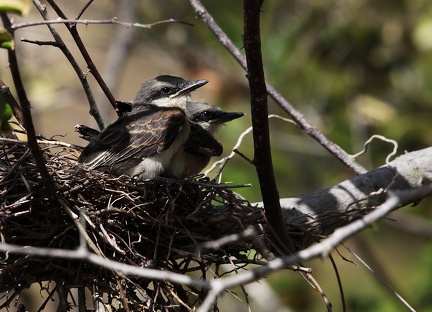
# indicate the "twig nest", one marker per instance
pixel 158 223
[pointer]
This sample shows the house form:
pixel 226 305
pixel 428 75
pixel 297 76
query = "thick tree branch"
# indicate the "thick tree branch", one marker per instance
pixel 320 213
pixel 310 129
pixel 260 127
pixel 323 249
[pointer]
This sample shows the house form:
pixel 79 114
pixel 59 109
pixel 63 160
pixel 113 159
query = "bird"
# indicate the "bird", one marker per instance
pixel 195 154
pixel 139 144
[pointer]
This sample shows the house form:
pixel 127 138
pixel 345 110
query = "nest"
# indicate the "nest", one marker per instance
pixel 158 224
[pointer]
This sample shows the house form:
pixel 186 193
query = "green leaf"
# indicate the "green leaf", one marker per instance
pixel 6 39
pixel 5 115
pixel 21 7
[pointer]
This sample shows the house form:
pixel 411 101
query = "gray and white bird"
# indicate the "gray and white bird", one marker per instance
pixel 141 143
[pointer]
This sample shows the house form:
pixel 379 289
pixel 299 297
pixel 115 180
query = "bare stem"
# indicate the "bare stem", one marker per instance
pixel 260 125
pixel 112 21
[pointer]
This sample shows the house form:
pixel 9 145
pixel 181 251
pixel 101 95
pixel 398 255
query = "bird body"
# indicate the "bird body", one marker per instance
pixel 195 154
pixel 139 144
pixel 205 121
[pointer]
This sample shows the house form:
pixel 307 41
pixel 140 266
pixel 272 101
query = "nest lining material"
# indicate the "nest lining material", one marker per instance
pixel 156 223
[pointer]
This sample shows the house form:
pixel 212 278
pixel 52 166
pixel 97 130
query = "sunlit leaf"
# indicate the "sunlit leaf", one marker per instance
pixel 421 35
pixel 5 115
pixel 21 7
pixel 6 39
pixel 371 110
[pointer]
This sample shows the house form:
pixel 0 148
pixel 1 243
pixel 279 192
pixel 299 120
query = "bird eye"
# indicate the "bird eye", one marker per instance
pixel 207 115
pixel 166 90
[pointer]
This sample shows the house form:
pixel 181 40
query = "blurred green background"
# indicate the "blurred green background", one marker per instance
pixel 353 68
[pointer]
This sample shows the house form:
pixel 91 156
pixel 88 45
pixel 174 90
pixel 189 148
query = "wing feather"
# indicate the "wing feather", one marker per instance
pixel 202 143
pixel 123 144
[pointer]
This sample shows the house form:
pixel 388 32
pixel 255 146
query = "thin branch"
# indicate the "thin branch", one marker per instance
pixel 260 126
pixel 382 280
pixel 222 162
pixel 83 254
pixel 308 127
pixel 40 42
pixel 81 46
pixel 339 282
pixel 117 54
pixel 382 138
pixel 84 8
pixel 27 116
pixel 82 77
pixel 81 300
pixel 228 239
pixel 112 21
pixel 312 281
pixel 92 67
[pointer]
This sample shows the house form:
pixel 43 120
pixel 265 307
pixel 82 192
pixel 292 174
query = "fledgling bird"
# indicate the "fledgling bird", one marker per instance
pixel 142 142
pixel 139 144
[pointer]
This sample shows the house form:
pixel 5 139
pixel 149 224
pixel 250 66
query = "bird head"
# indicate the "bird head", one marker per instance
pixel 209 117
pixel 167 90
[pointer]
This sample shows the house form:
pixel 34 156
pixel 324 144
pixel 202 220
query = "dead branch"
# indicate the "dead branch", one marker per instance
pixel 319 213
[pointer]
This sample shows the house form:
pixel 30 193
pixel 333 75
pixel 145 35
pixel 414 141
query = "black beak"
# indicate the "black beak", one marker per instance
pixel 189 86
pixel 228 116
